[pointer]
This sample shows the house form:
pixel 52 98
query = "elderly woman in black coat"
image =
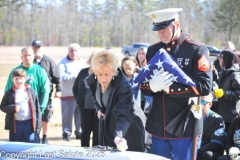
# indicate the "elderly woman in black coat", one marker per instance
pixel 114 102
pixel 228 93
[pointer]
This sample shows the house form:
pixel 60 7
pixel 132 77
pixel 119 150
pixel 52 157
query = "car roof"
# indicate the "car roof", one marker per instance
pixel 142 43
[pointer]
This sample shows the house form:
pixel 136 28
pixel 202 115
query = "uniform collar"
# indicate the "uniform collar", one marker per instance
pixel 177 41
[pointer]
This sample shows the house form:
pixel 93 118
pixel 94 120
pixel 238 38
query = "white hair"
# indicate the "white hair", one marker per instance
pixel 105 57
pixel 74 45
pixel 229 45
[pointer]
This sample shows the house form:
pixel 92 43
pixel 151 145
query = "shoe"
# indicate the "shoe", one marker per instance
pixel 79 136
pixel 45 141
pixel 66 138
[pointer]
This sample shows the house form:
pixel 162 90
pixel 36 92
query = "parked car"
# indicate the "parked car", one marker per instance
pixel 214 51
pixel 131 50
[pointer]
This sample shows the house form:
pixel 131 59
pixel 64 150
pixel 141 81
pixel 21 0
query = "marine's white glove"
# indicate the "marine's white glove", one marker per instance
pixel 161 81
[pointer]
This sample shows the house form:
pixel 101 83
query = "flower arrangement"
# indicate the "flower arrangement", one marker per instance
pixel 233 153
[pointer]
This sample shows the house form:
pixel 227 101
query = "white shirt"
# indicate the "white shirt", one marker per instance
pixel 22 99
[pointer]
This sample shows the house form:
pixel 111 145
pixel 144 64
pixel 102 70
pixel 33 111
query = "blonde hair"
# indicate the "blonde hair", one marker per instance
pixel 144 62
pixel 104 57
pixel 229 45
pixel 90 58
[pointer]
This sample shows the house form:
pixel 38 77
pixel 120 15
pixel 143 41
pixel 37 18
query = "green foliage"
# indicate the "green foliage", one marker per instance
pixel 227 17
pixel 113 22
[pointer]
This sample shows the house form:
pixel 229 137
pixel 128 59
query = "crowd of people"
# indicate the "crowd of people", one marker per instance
pixel 163 116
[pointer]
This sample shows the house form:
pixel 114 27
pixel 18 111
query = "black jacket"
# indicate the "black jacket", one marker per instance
pixel 229 80
pixel 120 119
pixel 52 71
pixel 194 60
pixel 80 90
pixel 234 128
pixel 8 106
pixel 214 136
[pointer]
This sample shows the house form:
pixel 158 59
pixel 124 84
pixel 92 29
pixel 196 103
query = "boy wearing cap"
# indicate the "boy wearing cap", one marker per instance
pixel 214 136
pixel 171 99
pixel 54 78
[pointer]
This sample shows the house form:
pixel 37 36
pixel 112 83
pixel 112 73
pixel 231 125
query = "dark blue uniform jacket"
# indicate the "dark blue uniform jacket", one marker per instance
pixel 194 60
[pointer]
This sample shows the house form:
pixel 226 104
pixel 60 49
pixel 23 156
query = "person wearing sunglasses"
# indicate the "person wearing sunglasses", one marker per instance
pixel 228 93
pixel 213 137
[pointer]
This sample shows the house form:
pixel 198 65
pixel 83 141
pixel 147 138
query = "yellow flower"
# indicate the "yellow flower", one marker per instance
pixel 218 93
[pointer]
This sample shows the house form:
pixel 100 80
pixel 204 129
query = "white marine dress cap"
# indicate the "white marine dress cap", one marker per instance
pixel 163 18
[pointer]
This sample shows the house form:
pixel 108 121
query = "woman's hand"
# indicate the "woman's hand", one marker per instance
pixel 99 114
pixel 121 143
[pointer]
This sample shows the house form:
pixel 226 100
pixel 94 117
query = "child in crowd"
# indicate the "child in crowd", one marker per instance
pixel 146 101
pixel 141 57
pixel 23 114
pixel 129 67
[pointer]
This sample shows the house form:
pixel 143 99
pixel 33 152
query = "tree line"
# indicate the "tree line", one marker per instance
pixel 100 23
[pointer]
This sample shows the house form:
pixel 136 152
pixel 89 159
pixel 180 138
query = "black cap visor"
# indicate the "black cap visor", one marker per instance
pixel 161 25
pixel 37 45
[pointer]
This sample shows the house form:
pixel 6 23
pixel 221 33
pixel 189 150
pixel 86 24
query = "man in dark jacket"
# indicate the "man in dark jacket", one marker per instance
pixel 171 99
pixel 54 78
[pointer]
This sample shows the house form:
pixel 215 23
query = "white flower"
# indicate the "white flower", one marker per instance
pixel 233 152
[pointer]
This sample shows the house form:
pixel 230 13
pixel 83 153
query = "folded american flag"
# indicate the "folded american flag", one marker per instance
pixel 162 60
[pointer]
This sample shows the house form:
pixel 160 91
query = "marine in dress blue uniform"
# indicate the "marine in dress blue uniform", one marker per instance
pixel 173 99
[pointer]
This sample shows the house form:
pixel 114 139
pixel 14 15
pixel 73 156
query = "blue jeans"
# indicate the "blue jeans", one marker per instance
pixel 180 149
pixel 24 131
